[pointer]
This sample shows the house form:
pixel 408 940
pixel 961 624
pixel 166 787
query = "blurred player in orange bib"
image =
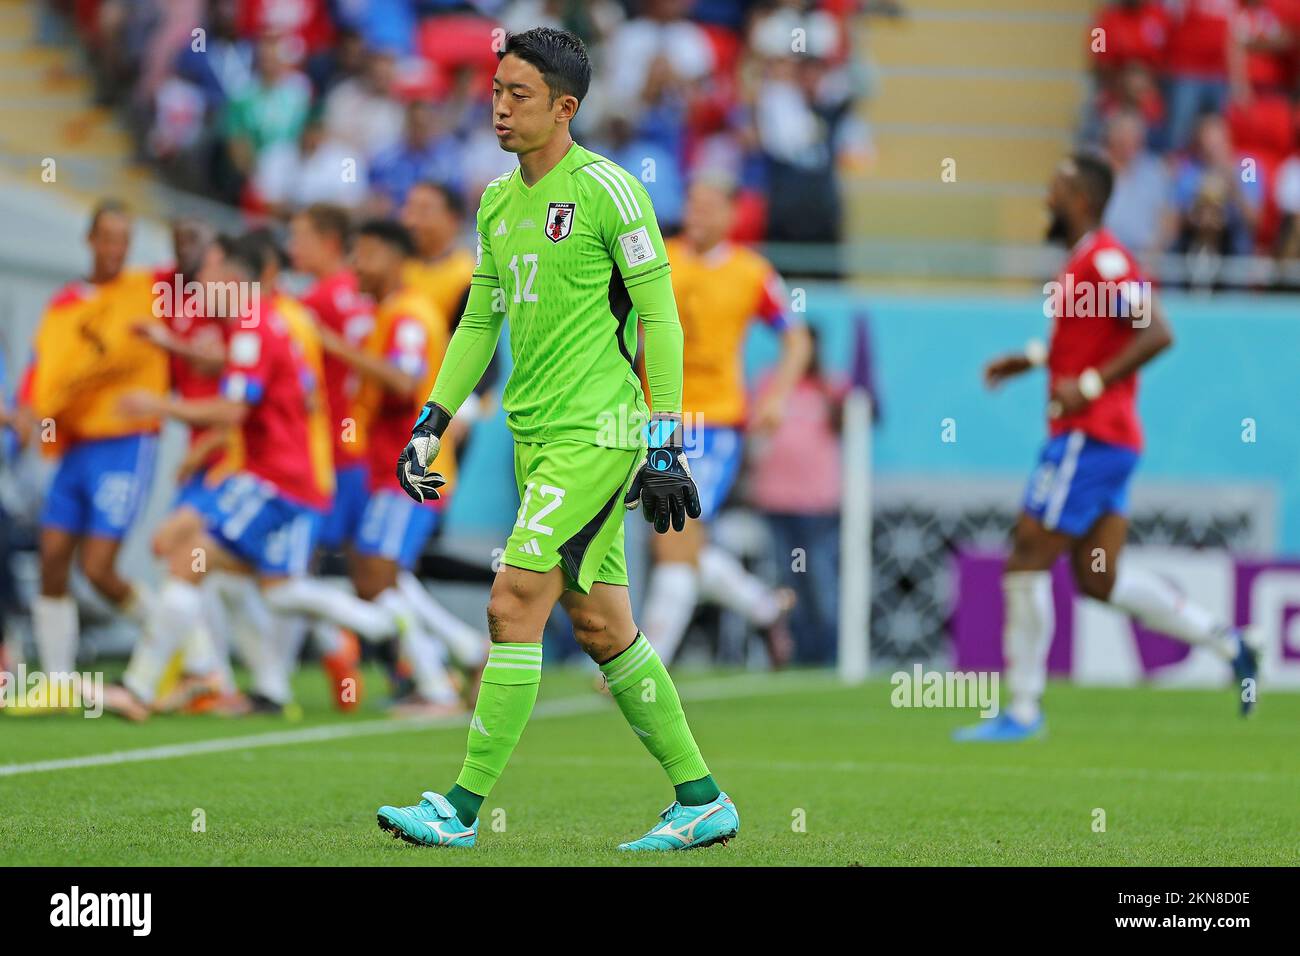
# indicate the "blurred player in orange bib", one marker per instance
pixel 720 289
pixel 87 354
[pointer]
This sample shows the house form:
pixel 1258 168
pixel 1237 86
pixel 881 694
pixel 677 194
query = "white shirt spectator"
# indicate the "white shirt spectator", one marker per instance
pixel 637 43
pixel 363 119
pixel 285 177
pixel 1287 191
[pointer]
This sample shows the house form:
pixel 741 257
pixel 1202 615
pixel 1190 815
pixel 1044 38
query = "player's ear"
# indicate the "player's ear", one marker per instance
pixel 568 107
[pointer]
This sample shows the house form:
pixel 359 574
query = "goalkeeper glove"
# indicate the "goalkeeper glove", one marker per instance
pixel 663 482
pixel 413 465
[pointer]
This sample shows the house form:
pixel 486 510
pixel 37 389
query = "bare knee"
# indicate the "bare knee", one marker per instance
pixel 517 610
pixel 1033 548
pixel 591 629
pixel 1095 584
pixel 56 551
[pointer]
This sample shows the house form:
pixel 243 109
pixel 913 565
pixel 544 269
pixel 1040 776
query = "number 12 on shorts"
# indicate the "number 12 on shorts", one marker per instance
pixel 556 496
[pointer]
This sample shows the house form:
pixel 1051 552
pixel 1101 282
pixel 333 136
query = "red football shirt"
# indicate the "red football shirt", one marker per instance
pixel 265 371
pixel 184 316
pixel 1198 42
pixel 341 308
pixel 1092 323
pixel 1137 33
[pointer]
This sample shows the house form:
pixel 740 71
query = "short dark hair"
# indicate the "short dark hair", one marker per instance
pixel 264 248
pixel 393 234
pixel 454 200
pixel 1095 177
pixel 329 219
pixel 243 255
pixel 105 207
pixel 559 56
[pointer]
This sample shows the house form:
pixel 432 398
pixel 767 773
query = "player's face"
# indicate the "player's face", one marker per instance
pixel 188 244
pixel 109 242
pixel 375 263
pixel 1057 207
pixel 306 246
pixel 708 216
pixel 426 215
pixel 523 116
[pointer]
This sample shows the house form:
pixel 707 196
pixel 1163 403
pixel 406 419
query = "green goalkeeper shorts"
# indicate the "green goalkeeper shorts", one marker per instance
pixel 571 511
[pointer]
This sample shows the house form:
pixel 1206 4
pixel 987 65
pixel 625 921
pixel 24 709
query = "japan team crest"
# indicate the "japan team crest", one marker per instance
pixel 559 220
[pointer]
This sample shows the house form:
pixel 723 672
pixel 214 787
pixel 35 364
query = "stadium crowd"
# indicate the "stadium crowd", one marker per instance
pixel 1196 105
pixel 267 104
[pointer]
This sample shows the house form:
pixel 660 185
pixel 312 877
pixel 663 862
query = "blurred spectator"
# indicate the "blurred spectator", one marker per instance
pixel 1132 31
pixel 270 111
pixel 1266 30
pixel 362 112
pixel 775 32
pixel 1197 59
pixel 316 169
pixel 345 60
pixel 593 21
pixel 647 160
pixel 1139 212
pixel 223 67
pixel 304 25
pixel 381 24
pixel 1217 206
pixel 652 61
pixel 1287 196
pixel 425 152
pixel 803 117
pixel 796 482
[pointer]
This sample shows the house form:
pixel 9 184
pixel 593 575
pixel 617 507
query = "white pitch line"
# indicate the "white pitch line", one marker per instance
pixel 743 686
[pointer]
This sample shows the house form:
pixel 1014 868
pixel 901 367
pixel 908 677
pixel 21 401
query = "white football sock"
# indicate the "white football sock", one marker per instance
pixel 271 666
pixel 207 648
pixel 135 607
pixel 425 655
pixel 468 647
pixel 56 629
pixel 172 617
pixel 313 599
pixel 246 614
pixel 724 580
pixel 1028 625
pixel 669 604
pixel 1162 607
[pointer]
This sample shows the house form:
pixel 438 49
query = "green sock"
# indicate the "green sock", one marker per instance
pixel 640 685
pixel 466 804
pixel 505 701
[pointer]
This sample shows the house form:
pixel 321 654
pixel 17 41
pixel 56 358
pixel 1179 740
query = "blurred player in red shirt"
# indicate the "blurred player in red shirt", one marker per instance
pixel 1106 325
pixel 396 366
pixel 318 247
pixel 262 517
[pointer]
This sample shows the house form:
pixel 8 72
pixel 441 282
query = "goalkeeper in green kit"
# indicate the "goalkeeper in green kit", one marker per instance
pixel 570 250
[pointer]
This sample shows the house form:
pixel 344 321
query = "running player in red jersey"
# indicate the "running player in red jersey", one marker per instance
pixel 1107 325
pixel 318 247
pixel 261 517
pixel 195 344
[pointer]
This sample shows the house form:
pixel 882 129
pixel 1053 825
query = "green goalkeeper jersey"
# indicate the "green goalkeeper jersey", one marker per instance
pixel 565 260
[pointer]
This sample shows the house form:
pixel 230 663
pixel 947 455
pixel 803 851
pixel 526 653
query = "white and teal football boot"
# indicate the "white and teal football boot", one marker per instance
pixel 432 822
pixel 688 828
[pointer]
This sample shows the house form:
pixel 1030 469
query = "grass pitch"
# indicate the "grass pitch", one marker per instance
pixel 821 774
